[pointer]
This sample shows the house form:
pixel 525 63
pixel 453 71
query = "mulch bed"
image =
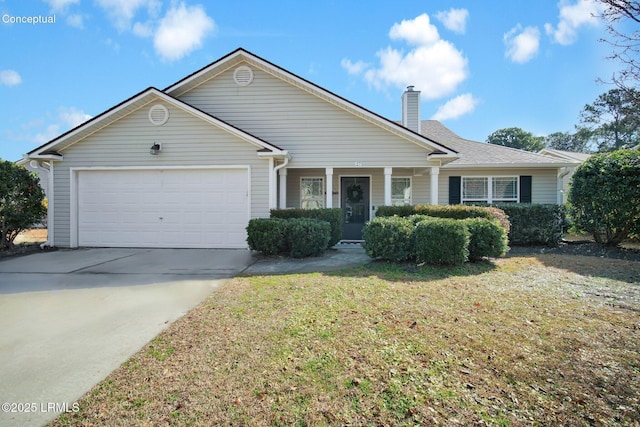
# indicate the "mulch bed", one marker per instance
pixel 580 248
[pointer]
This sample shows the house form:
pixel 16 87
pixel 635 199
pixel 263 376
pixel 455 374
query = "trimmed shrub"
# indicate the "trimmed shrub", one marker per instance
pixel 308 237
pixel 388 238
pixel 447 211
pixel 535 224
pixel 442 241
pixel 268 235
pixel 488 238
pixel 332 216
pixel 605 196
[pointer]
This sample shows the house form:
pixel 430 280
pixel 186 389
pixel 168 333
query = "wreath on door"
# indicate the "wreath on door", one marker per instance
pixel 354 193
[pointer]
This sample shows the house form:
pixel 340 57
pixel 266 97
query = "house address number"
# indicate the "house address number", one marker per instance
pixel 358 164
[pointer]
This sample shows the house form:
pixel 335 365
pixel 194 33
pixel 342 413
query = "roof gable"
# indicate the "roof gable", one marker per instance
pixel 145 97
pixel 235 58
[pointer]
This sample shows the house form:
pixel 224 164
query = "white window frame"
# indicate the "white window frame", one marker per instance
pixel 396 201
pixel 320 198
pixel 490 184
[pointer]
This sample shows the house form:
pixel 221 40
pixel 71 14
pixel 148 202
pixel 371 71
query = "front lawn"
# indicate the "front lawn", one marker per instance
pixel 530 340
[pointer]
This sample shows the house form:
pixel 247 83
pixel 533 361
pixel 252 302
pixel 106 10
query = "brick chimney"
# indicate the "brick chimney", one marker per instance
pixel 411 109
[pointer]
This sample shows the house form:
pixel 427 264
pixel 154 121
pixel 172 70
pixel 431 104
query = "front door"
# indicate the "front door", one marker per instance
pixel 355 206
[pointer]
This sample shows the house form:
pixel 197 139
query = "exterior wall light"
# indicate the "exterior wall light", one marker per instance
pixel 155 149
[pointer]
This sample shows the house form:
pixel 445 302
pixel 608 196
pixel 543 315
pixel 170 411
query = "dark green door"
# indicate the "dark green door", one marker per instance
pixel 355 206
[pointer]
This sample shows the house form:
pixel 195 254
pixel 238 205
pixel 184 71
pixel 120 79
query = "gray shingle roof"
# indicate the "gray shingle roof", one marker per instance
pixel 482 154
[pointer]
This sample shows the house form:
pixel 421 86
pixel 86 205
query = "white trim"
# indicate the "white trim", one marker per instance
pixel 434 178
pixel 73 187
pixel 140 98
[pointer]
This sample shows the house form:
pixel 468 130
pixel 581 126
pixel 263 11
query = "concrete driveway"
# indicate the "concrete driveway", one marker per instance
pixel 70 317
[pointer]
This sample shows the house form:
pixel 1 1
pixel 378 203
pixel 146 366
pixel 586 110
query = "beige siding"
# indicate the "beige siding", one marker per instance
pixel 186 141
pixel 316 133
pixel 544 182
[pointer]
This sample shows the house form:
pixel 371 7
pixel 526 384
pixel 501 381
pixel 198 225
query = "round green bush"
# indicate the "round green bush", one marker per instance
pixel 308 237
pixel 388 238
pixel 268 235
pixel 442 241
pixel 487 238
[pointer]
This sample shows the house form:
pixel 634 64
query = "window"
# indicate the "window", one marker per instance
pixel 400 191
pixel 475 190
pixel 489 189
pixel 311 193
pixel 505 189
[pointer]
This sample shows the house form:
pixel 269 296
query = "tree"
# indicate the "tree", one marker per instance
pixel 622 18
pixel 577 142
pixel 612 119
pixel 20 201
pixel 605 196
pixel 516 138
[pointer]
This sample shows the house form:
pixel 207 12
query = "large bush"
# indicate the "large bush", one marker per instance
pixel 308 237
pixel 20 201
pixel 487 238
pixel 442 241
pixel 388 238
pixel 268 235
pixel 446 211
pixel 535 224
pixel 332 216
pixel 605 196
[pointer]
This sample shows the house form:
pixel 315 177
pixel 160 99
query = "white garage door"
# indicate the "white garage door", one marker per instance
pixel 192 208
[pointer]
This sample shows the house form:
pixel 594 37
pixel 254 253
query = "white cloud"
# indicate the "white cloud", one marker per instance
pixel 60 5
pixel 143 30
pixel 572 17
pixel 75 20
pixel 454 19
pixel 434 66
pixel 10 78
pixel 72 116
pixel 522 44
pixel 354 68
pixel 418 31
pixel 38 131
pixel 122 12
pixel 181 31
pixel 456 107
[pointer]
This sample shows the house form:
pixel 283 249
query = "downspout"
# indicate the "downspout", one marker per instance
pixel 274 184
pixel 564 172
pixel 275 179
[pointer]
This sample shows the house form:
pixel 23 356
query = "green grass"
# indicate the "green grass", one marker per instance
pixel 552 340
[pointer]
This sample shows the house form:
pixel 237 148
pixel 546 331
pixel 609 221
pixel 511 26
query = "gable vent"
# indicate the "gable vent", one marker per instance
pixel 243 76
pixel 158 115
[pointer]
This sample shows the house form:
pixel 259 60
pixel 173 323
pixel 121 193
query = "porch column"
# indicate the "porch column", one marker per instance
pixel 435 172
pixel 387 186
pixel 329 187
pixel 283 188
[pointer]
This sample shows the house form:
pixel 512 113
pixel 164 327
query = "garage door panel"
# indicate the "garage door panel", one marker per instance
pixel 163 208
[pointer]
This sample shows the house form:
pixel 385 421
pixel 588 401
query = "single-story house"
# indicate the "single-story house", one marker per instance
pixel 189 165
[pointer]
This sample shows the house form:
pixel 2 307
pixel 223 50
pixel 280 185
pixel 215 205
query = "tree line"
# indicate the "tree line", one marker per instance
pixel 610 123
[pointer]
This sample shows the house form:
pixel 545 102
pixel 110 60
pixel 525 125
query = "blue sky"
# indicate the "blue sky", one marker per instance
pixel 480 65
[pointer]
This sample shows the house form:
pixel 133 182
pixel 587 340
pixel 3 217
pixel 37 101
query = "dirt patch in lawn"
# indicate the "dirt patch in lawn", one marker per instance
pixel 541 339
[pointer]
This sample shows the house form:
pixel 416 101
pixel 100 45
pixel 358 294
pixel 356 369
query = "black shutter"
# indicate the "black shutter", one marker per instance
pixel 455 198
pixel 525 189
